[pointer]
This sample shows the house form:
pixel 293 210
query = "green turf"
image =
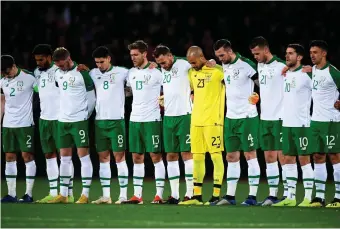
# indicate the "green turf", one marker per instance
pixel 147 215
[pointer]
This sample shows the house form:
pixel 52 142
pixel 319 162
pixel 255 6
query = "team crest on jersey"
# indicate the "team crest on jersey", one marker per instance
pixel 236 73
pixel 71 80
pixel 147 78
pixel 271 73
pixel 322 81
pixel 293 84
pixel 174 72
pixel 50 77
pixel 20 84
pixel 112 78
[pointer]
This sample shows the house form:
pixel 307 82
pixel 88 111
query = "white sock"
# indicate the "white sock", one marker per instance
pixel 160 178
pixel 123 177
pixel 292 175
pixel 105 178
pixel 273 177
pixel 284 180
pixel 138 176
pixel 11 177
pixel 31 170
pixel 173 175
pixel 65 174
pixel 52 175
pixel 189 181
pixel 86 174
pixel 308 180
pixel 320 177
pixel 70 187
pixel 233 175
pixel 336 175
pixel 253 176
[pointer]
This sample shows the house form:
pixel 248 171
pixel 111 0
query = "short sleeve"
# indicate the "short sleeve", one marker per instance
pixel 87 80
pixel 125 73
pixel 127 78
pixel 189 78
pixel 335 73
pixel 158 76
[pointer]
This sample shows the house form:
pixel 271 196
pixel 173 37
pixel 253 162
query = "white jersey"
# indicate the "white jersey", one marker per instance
pixel 176 89
pixel 297 99
pixel 73 86
pixel 146 87
pixel 110 92
pixel 271 90
pixel 48 93
pixel 239 86
pixel 326 83
pixel 18 93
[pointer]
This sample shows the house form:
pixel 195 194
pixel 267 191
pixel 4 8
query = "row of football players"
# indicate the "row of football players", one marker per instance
pixel 75 105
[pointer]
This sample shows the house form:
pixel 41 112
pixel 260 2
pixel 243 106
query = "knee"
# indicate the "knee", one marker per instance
pixel 50 155
pixel 290 160
pixel 199 157
pixel 216 158
pixel 138 158
pixel 104 156
pixel 11 157
pixel 233 157
pixel 270 156
pixel 304 160
pixel 27 157
pixel 172 157
pixel 250 155
pixel 334 158
pixel 156 157
pixel 119 157
pixel 186 156
pixel 319 158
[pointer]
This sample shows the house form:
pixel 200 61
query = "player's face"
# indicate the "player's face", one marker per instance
pixel 103 63
pixel 165 61
pixel 63 64
pixel 42 61
pixel 223 55
pixel 9 72
pixel 291 57
pixel 137 57
pixel 196 62
pixel 259 54
pixel 317 54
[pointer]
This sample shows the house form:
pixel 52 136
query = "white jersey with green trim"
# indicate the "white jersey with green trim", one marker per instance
pixel 48 93
pixel 239 86
pixel 326 85
pixel 271 90
pixel 297 99
pixel 176 89
pixel 18 93
pixel 146 87
pixel 73 86
pixel 110 103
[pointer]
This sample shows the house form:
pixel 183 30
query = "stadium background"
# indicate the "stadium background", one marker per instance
pixel 82 26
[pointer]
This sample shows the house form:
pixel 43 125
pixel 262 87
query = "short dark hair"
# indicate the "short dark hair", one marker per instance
pixel 222 43
pixel 60 53
pixel 161 50
pixel 299 49
pixel 101 52
pixel 319 43
pixel 258 41
pixel 140 45
pixel 42 49
pixel 7 61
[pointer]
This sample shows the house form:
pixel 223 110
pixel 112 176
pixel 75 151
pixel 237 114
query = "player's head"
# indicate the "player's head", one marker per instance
pixel 102 57
pixel 318 51
pixel 43 55
pixel 163 57
pixel 138 52
pixel 62 58
pixel 260 49
pixel 196 58
pixel 294 54
pixel 223 50
pixel 8 67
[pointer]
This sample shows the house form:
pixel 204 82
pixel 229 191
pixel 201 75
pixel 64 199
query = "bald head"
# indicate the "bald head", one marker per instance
pixel 195 57
pixel 195 51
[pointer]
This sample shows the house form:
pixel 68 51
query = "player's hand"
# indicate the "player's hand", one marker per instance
pixel 284 70
pixel 192 97
pixel 254 98
pixel 153 65
pixel 161 100
pixel 337 105
pixel 210 63
pixel 82 67
pixel 307 68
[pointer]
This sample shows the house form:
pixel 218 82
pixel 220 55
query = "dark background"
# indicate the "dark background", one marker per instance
pixel 83 26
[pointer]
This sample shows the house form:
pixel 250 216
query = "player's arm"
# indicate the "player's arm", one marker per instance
pixel 90 92
pixel 2 105
pixel 335 73
pixel 253 75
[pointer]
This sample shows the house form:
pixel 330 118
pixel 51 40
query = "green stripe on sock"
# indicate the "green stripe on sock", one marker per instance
pixel 86 178
pixel 138 178
pixel 320 181
pixel 258 176
pixel 173 178
pixel 336 182
pixel 232 178
pixel 125 186
pixel 188 175
pixel 65 177
pixel 159 179
pixel 309 188
pixel 138 185
pixel 337 192
pixel 292 178
pixel 273 186
pixel 104 178
pixel 66 185
pixel 53 187
pixel 319 190
pixel 70 187
pixel 123 177
pixel 105 186
pixel 30 177
pixel 86 186
pixel 273 177
pixel 11 176
pixel 53 180
pixel 159 186
pixel 254 185
pixel 308 179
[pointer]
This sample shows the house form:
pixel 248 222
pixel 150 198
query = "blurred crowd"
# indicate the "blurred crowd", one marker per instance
pixel 82 26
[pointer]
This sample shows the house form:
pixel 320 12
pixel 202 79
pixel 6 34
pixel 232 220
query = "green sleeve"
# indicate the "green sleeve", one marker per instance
pixel 310 74
pixel 335 73
pixel 36 89
pixel 88 81
pixel 251 63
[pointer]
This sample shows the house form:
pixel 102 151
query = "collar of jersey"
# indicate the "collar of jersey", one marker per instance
pixel 146 66
pixel 51 65
pixel 298 68
pixel 74 66
pixel 19 70
pixel 273 59
pixel 326 66
pixel 236 58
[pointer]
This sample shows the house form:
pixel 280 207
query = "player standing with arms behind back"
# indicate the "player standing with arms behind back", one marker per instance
pixel 271 91
pixel 325 125
pixel 145 121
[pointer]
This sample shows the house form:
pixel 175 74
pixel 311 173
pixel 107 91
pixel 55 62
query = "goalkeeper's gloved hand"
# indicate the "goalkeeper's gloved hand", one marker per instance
pixel 161 100
pixel 254 98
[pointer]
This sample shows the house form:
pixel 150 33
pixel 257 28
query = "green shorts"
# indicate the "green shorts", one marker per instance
pixel 176 132
pixel 324 137
pixel 271 135
pixel 49 135
pixel 145 137
pixel 110 134
pixel 295 141
pixel 18 139
pixel 241 134
pixel 71 133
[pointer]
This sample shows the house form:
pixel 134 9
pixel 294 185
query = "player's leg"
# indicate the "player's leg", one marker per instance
pixel 25 136
pixel 79 131
pixel 10 148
